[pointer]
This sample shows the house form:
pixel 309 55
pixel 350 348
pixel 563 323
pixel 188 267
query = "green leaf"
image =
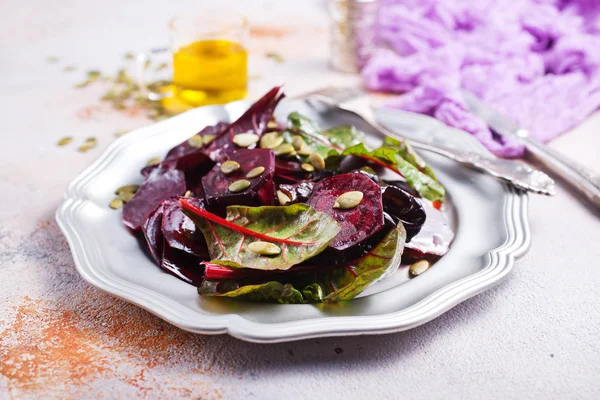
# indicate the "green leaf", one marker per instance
pixel 344 136
pixel 311 133
pixel 325 285
pixel 299 230
pixel 351 280
pixel 262 292
pixel 406 151
pixel 389 157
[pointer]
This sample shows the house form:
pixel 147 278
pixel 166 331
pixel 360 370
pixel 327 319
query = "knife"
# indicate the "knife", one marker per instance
pixel 583 180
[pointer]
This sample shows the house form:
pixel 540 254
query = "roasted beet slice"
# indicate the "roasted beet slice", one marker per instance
pixel 183 265
pixel 297 192
pixel 153 233
pixel 403 206
pixel 159 185
pixel 261 191
pixel 434 238
pixel 358 223
pixel 254 120
pixel 184 148
pixel 180 232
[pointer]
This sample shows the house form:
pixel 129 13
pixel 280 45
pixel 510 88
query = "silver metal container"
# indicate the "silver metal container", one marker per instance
pixel 352 33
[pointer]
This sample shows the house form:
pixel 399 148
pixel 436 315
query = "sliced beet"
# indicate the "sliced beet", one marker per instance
pixel 159 185
pixel 254 120
pixel 434 238
pixel 183 265
pixel 180 232
pixel 184 148
pixel 153 233
pixel 403 206
pixel 358 223
pixel 297 192
pixel 262 188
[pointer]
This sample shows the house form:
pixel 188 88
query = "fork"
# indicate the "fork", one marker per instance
pixel 357 102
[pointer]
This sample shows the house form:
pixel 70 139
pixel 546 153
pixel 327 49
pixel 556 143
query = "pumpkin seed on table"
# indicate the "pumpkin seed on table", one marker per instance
pixel 419 267
pixel 116 203
pixel 196 141
pixel 283 198
pixel 348 200
pixel 264 248
pixel 298 142
pixel 64 141
pixel 317 161
pixel 255 172
pixel 270 140
pixel 239 186
pixel 229 167
pixel 307 167
pixel 245 139
pixel 283 149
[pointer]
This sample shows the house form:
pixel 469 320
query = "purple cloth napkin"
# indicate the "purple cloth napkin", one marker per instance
pixel 538 61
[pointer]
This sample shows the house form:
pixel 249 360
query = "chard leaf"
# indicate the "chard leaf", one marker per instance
pixel 344 136
pixel 319 285
pixel 406 151
pixel 389 157
pixel 299 230
pixel 351 280
pixel 310 132
pixel 262 292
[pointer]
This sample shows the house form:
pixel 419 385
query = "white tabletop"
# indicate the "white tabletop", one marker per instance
pixel 533 336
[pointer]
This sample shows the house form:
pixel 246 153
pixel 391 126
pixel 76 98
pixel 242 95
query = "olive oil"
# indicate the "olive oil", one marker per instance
pixel 210 72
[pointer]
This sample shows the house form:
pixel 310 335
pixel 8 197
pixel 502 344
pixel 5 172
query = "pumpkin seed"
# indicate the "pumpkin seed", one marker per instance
pixel 188 193
pixel 116 203
pixel 275 56
pixel 120 133
pixel 283 198
pixel 348 200
pixel 206 139
pixel 272 125
pixel 91 140
pixel 126 196
pixel 255 172
pixel 317 161
pixel 229 167
pixel 153 161
pixel 305 150
pixel 245 139
pixel 307 167
pixel 264 248
pixel 419 267
pixel 298 142
pixel 239 186
pixel 270 140
pixel 283 149
pixel 85 147
pixel 129 56
pixel 64 141
pixel 196 141
pixel 127 188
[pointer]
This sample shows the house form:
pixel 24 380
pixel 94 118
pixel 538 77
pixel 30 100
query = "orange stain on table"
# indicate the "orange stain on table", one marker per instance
pixel 98 337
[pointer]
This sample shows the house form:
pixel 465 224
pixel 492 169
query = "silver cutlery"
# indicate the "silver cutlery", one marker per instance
pixel 517 173
pixel 582 179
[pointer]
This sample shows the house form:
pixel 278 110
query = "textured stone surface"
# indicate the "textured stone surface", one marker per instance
pixel 533 336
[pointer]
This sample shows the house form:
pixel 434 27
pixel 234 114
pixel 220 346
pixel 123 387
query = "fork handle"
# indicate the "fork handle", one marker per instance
pixel 585 181
pixel 517 173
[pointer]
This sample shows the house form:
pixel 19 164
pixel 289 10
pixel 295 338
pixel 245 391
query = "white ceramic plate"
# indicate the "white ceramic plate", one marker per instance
pixel 489 218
